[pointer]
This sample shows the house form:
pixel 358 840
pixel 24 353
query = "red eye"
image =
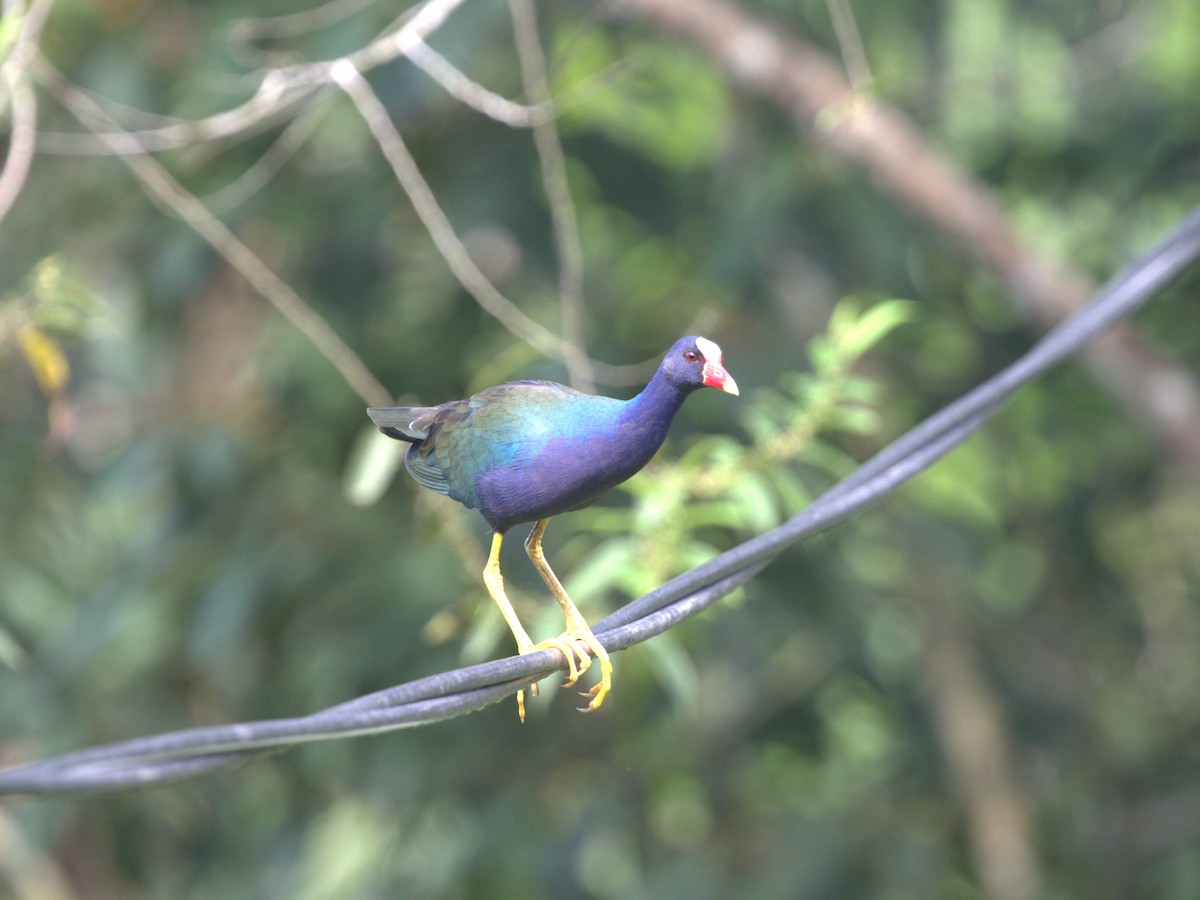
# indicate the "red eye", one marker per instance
pixel 691 356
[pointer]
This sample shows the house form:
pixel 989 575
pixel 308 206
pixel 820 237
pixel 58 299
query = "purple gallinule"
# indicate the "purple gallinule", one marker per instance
pixel 528 450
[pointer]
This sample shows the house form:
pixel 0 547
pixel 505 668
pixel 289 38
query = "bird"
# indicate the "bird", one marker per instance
pixel 525 451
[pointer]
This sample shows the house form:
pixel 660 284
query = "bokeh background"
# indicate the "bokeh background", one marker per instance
pixel 989 685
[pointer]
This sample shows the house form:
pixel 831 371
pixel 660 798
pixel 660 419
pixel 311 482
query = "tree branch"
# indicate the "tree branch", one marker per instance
pixel 558 191
pixel 22 102
pixel 174 198
pixel 979 754
pixel 448 243
pixel 280 92
pixel 806 84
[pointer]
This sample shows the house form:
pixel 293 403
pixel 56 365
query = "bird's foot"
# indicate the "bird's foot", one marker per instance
pixel 579 646
pixel 569 652
pixel 587 645
pixel 598 692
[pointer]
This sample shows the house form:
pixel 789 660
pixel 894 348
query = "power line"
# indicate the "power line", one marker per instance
pixel 184 754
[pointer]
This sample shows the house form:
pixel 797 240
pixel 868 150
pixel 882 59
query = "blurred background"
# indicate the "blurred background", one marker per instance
pixel 988 685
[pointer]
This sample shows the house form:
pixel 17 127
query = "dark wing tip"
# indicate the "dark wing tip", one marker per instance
pixel 398 422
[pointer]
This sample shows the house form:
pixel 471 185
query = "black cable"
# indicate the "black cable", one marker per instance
pixel 181 753
pixel 191 752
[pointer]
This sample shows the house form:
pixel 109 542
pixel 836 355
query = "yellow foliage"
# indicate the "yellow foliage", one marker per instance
pixel 46 358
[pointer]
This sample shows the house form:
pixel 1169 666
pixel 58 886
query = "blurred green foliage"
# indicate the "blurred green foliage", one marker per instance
pixel 722 483
pixel 180 550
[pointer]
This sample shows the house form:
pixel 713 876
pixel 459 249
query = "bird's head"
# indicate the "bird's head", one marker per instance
pixel 695 362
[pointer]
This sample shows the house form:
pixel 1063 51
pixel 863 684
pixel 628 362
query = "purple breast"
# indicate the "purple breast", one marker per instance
pixel 565 474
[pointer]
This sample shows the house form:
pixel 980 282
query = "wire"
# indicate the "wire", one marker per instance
pixel 184 754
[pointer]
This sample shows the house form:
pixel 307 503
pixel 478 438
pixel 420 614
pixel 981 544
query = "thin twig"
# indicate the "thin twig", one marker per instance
pixel 808 87
pixel 277 96
pixel 20 146
pixel 558 192
pixel 170 132
pixel 33 20
pixel 23 103
pixel 267 166
pixel 472 93
pixel 279 92
pixel 433 64
pixel 503 310
pixel 290 25
pixel 135 120
pixel 854 57
pixel 174 198
pixel 438 225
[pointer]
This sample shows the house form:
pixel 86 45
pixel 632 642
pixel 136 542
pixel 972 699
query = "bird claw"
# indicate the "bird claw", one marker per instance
pixel 569 649
pixel 533 690
pixel 598 692
pixel 583 635
pixel 579 648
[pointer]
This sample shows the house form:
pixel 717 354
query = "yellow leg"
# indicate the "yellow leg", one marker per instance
pixel 494 582
pixel 578 631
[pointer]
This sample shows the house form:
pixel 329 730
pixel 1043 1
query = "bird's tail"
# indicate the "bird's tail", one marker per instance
pixel 401 422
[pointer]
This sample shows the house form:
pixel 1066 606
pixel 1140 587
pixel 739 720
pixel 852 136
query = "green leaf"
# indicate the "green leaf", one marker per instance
pixel 823 356
pixel 791 490
pixel 602 570
pixel 759 423
pixel 861 390
pixel 674 669
pixel 825 456
pixel 675 111
pixel 696 553
pixel 372 468
pixel 961 486
pixel 51 300
pixel 757 502
pixel 855 333
pixel 11 653
pixel 720 513
pixel 855 420
pixel 712 449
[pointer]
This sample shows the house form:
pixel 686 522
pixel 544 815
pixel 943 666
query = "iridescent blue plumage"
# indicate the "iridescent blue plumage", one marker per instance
pixel 528 450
